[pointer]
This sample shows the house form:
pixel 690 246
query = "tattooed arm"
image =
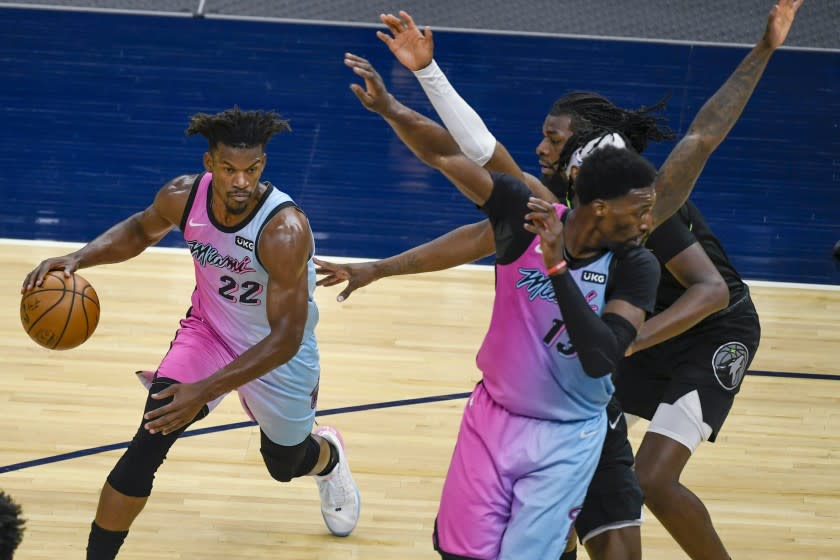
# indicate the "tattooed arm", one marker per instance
pixel 718 115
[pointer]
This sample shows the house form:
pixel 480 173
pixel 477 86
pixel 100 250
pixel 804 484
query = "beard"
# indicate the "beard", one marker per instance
pixel 558 184
pixel 236 207
pixel 236 210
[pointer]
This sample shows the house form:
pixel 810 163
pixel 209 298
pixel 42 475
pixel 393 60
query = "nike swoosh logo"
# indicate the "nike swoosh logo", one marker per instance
pixel 195 224
pixel 585 434
pixel 614 423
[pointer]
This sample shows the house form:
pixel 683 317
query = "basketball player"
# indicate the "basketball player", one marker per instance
pixel 494 503
pixel 11 526
pixel 250 327
pixel 693 287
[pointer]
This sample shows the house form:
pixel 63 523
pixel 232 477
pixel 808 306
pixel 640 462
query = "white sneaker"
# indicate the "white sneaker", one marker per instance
pixel 340 500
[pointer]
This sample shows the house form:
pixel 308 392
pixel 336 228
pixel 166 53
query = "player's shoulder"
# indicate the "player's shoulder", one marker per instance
pixel 509 193
pixel 181 185
pixel 538 188
pixel 636 257
pixel 507 180
pixel 287 220
pixel 172 200
pixel 285 238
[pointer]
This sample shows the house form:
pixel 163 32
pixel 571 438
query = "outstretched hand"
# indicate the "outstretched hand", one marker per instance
pixel 545 222
pixel 779 22
pixel 374 96
pixel 356 275
pixel 412 47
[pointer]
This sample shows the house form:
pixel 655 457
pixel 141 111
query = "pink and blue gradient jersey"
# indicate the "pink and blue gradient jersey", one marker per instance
pixel 529 364
pixel 530 367
pixel 230 293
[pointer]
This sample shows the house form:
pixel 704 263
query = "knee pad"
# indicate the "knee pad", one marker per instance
pixel 134 473
pixel 287 462
pixel 682 421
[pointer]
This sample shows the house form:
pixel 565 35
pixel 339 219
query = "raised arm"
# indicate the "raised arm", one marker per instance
pixel 460 246
pixel 718 115
pixel 415 50
pixel 126 239
pixel 423 136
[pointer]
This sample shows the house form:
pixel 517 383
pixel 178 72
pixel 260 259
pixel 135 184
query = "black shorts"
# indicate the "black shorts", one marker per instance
pixel 710 358
pixel 614 495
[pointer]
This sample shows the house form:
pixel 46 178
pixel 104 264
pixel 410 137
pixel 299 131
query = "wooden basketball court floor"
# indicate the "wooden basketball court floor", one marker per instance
pixel 397 360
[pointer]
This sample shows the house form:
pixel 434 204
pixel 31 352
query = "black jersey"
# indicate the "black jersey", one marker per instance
pixel 676 234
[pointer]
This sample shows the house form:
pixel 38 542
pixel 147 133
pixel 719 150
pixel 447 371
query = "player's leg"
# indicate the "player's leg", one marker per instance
pixel 623 542
pixel 475 501
pixel 555 462
pixel 609 523
pixel 194 353
pixel 693 410
pixel 283 403
pixel 571 547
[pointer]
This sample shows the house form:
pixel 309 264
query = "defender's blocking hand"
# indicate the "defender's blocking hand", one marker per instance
pixel 374 96
pixel 412 47
pixel 779 22
pixel 357 275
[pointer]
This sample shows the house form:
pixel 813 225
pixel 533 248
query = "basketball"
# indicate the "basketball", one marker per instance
pixel 61 313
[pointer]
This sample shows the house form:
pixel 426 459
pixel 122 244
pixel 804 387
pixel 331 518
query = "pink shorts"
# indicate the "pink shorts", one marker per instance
pixel 515 484
pixel 282 401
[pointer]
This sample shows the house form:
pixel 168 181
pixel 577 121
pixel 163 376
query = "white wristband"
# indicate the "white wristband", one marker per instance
pixel 466 127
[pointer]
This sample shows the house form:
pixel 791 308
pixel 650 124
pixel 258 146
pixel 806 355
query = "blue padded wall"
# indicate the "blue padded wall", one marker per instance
pixel 95 106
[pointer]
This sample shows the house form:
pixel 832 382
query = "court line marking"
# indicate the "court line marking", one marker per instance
pixel 475 267
pixel 329 412
pixel 225 427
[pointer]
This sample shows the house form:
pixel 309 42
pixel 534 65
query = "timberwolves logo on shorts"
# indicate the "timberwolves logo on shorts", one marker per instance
pixel 730 363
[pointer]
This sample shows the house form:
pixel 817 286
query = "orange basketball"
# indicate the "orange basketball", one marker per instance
pixel 61 313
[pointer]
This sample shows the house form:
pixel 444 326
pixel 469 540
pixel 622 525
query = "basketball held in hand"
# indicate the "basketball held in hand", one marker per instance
pixel 61 313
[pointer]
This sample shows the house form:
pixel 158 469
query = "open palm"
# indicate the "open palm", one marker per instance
pixel 412 47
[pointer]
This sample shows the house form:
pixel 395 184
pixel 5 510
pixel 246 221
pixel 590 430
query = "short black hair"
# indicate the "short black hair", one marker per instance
pixel 611 172
pixel 237 128
pixel 11 526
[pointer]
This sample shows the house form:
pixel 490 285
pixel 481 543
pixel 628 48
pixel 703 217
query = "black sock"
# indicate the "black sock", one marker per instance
pixel 569 554
pixel 333 460
pixel 104 544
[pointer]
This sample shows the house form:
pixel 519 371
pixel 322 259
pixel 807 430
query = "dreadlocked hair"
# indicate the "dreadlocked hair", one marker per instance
pixel 237 128
pixel 11 526
pixel 593 114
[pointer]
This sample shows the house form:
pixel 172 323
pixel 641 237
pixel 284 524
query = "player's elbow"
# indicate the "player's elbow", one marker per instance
pixel 717 297
pixel 284 344
pixel 142 238
pixel 598 363
pixel 482 149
